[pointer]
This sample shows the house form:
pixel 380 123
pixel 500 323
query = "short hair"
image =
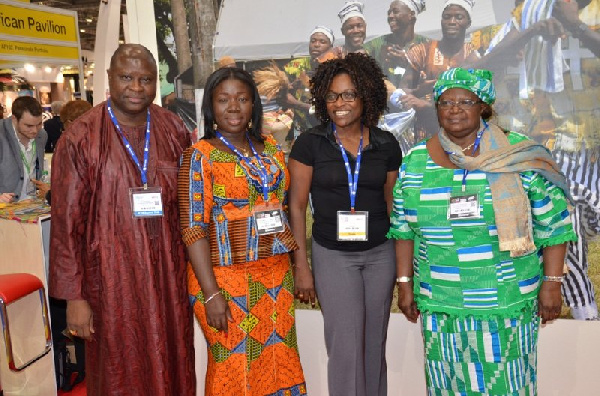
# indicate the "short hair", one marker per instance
pixel 73 109
pixel 367 77
pixel 231 73
pixel 56 106
pixel 124 48
pixel 26 103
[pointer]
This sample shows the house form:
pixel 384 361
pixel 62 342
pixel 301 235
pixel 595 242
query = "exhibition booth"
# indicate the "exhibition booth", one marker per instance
pixel 40 54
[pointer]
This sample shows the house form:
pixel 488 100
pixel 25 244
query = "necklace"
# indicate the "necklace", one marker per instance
pixel 468 147
pixel 245 151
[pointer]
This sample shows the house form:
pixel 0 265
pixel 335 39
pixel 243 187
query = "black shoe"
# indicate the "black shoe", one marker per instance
pixel 79 379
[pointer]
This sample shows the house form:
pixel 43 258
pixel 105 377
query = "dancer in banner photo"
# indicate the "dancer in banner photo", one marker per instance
pixel 428 60
pixel 559 110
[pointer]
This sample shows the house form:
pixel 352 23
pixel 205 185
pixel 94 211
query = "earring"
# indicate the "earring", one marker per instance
pixel 250 124
pixel 215 126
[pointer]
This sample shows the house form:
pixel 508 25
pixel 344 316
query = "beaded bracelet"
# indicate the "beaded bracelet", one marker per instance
pixel 553 278
pixel 211 297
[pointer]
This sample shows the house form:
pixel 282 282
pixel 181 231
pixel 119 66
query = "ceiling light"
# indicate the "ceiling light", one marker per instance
pixel 82 30
pixel 89 20
pixel 29 67
pixel 47 69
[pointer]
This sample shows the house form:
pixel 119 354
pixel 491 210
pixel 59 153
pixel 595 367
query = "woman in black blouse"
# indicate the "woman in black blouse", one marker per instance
pixel 349 167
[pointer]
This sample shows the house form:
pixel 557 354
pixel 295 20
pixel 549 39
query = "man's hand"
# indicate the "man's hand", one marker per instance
pixel 80 319
pixel 7 197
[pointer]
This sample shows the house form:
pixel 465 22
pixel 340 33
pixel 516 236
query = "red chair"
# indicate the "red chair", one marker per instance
pixel 13 287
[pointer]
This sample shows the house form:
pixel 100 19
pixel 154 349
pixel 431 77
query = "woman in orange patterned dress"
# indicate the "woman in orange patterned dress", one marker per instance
pixel 233 195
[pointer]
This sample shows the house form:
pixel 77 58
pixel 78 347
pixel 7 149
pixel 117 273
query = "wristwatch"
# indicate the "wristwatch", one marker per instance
pixel 580 30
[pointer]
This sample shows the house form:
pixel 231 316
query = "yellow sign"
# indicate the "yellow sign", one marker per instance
pixel 16 48
pixel 28 22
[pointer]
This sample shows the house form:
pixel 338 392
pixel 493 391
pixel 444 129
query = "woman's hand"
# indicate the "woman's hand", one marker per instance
pixel 218 313
pixel 406 301
pixel 549 301
pixel 304 285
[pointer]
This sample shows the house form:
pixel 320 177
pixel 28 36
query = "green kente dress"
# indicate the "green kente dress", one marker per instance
pixel 478 305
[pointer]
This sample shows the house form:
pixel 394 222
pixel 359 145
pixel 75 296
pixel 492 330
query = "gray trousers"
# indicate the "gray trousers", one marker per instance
pixel 355 293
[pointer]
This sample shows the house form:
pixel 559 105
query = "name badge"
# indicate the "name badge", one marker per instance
pixel 268 219
pixel 146 202
pixel 464 207
pixel 352 226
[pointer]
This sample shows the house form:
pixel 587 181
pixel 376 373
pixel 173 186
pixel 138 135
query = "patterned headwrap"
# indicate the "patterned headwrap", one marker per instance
pixel 351 9
pixel 466 4
pixel 416 6
pixel 325 30
pixel 478 81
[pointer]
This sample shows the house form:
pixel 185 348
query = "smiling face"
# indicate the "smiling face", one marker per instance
pixel 399 17
pixel 318 45
pixel 132 84
pixel 232 106
pixel 455 22
pixel 344 114
pixel 460 122
pixel 355 32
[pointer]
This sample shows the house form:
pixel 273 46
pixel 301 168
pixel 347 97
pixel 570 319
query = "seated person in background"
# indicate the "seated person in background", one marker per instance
pixel 22 142
pixel 54 126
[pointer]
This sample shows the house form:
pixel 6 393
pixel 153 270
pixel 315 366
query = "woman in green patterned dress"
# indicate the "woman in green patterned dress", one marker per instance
pixel 481 222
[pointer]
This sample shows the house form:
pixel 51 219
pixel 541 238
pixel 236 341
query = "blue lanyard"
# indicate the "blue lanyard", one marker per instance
pixel 143 168
pixel 352 181
pixel 475 147
pixel 260 170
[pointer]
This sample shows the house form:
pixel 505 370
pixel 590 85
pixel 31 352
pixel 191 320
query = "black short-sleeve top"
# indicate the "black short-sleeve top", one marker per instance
pixel 329 188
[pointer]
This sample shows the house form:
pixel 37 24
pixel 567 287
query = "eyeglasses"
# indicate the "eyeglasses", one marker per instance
pixel 347 96
pixel 464 104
